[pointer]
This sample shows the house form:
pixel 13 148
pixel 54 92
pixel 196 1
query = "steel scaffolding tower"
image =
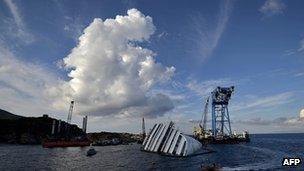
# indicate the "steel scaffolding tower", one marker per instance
pixel 220 114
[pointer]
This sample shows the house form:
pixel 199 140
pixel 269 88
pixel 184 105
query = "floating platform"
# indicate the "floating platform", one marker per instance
pixel 166 140
pixel 226 140
pixel 206 137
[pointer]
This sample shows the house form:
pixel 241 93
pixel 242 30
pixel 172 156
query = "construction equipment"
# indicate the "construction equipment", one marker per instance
pixel 204 118
pixel 220 115
pixel 201 131
pixel 221 127
pixel 69 119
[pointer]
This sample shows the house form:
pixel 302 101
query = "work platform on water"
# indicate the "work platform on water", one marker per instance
pixel 220 132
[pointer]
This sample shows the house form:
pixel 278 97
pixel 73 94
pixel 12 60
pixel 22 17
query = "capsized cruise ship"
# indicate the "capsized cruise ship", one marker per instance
pixel 167 140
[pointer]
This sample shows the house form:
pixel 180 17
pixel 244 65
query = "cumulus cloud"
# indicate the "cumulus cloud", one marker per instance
pixel 272 7
pixel 110 73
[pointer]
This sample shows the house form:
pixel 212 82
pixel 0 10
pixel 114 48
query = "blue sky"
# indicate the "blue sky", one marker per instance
pixel 258 46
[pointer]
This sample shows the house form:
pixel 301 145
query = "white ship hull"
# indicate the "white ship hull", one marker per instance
pixel 165 139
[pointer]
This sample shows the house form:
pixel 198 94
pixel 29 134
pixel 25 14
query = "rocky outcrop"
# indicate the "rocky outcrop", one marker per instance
pixel 29 130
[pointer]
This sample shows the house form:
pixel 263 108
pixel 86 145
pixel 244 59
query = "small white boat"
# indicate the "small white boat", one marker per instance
pixel 91 151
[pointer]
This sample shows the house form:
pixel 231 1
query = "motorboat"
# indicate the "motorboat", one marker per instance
pixel 91 151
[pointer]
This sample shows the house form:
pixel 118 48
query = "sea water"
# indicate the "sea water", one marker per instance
pixel 265 151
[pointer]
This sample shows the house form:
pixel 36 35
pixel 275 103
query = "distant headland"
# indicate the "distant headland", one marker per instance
pixel 16 129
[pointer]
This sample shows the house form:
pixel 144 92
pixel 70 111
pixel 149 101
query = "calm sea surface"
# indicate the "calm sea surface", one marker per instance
pixel 263 152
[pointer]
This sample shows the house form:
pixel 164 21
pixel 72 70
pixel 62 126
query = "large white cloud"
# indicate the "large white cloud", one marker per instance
pixel 111 73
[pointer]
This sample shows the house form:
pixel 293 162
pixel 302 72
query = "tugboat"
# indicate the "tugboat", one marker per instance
pixel 91 151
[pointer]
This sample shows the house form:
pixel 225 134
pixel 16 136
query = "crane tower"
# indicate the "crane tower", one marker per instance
pixel 204 118
pixel 220 114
